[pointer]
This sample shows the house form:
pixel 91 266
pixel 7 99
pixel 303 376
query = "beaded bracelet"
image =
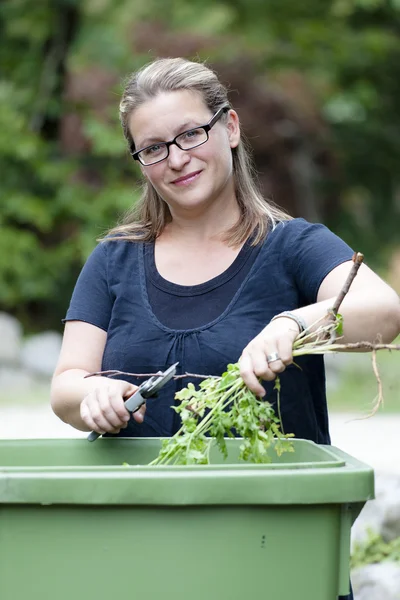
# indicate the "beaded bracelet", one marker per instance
pixel 289 315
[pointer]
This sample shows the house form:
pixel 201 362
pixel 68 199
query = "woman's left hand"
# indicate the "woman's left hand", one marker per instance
pixel 268 353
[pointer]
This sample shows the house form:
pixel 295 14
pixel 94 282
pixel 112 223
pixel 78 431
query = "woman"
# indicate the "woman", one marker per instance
pixel 205 272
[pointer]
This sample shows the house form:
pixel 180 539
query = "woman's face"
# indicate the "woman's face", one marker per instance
pixel 187 179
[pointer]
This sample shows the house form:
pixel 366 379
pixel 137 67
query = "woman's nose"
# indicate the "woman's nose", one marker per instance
pixel 177 158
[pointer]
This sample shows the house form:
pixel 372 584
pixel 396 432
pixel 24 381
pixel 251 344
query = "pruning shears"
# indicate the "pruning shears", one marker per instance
pixel 147 389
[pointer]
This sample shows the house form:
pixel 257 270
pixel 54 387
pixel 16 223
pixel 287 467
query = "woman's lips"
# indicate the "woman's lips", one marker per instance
pixel 187 179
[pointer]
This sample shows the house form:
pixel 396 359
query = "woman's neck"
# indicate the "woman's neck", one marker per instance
pixel 202 225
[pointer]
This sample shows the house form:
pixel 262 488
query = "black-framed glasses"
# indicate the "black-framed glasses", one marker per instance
pixel 185 141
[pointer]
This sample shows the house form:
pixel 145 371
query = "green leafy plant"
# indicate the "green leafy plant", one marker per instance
pixel 221 408
pixel 374 549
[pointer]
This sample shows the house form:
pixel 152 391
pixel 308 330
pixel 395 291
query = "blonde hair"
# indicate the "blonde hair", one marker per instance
pixel 147 219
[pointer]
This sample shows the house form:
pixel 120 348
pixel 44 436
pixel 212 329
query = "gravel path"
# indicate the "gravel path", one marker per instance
pixel 375 441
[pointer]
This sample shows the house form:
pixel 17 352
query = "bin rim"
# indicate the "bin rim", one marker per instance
pixel 347 481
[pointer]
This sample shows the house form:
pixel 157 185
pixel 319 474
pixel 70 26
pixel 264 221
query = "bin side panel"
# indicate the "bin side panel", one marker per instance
pixel 223 552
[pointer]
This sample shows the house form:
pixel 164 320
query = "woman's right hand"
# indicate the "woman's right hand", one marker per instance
pixel 103 409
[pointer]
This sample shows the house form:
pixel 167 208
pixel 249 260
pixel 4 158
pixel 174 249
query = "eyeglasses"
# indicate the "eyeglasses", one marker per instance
pixel 185 141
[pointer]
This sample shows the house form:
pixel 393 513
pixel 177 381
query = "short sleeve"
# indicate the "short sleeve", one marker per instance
pixel 91 300
pixel 312 251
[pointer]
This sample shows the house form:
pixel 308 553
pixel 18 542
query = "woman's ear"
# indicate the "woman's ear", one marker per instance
pixel 233 127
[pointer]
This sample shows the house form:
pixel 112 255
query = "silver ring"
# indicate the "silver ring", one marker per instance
pixel 273 357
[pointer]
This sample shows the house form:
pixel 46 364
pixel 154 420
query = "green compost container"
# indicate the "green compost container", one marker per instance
pixel 75 523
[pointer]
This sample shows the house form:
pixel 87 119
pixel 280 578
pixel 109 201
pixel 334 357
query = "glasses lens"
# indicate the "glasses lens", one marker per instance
pixel 192 138
pixel 153 154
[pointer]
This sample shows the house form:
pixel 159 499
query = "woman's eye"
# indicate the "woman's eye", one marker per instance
pixel 154 150
pixel 193 133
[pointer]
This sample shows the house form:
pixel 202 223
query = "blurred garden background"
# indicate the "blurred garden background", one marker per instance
pixel 317 88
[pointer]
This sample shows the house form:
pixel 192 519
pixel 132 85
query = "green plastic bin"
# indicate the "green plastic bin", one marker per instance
pixel 75 523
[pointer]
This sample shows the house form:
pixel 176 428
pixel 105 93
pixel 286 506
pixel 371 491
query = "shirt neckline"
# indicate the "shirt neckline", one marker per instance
pixel 177 332
pixel 194 290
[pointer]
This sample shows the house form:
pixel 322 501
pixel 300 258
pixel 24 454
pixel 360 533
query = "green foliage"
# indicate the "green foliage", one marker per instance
pixel 374 549
pixel 57 199
pixel 213 412
pixel 54 204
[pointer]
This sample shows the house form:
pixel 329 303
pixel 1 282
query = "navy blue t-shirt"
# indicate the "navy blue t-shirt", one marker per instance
pixel 112 292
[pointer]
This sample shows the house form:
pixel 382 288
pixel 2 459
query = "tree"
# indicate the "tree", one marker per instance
pixel 324 76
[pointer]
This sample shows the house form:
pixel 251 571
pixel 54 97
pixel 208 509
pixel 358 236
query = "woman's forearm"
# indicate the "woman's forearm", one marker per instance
pixel 67 392
pixel 367 316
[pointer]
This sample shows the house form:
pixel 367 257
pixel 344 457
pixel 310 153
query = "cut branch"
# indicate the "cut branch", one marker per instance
pixel 333 312
pixel 357 260
pixel 325 348
pixel 328 348
pixel 115 373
